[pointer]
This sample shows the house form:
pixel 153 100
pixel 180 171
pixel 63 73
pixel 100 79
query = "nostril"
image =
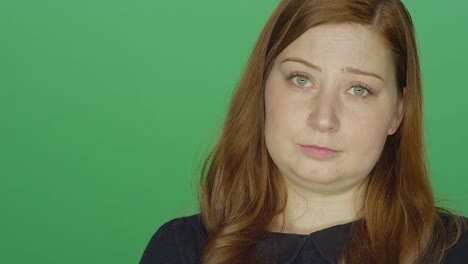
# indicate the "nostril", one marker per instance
pixel 323 121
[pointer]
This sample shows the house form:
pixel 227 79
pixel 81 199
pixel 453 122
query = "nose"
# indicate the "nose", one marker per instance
pixel 323 115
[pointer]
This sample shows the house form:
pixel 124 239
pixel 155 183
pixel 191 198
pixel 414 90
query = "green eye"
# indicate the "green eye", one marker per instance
pixel 359 90
pixel 302 81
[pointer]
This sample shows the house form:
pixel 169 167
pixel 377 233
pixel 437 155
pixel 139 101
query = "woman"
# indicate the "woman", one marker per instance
pixel 321 159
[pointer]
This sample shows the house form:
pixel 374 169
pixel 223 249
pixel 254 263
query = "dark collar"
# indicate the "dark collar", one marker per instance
pixel 285 248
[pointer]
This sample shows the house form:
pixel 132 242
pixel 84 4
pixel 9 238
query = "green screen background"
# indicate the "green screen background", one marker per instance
pixel 108 107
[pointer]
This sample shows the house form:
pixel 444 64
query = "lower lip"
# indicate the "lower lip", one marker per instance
pixel 318 153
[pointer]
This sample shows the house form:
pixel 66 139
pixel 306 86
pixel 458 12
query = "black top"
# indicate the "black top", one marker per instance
pixel 181 240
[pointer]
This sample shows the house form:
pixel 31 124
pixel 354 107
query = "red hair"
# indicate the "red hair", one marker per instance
pixel 242 189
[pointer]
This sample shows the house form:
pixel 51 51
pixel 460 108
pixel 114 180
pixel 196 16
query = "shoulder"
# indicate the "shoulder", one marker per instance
pixel 458 253
pixel 180 240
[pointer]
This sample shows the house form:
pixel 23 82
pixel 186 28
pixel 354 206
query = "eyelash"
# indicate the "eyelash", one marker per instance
pixel 369 89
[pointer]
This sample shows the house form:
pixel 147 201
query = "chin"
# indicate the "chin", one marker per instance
pixel 321 179
pixel 317 176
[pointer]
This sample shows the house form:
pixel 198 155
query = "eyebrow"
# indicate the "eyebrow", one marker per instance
pixel 347 69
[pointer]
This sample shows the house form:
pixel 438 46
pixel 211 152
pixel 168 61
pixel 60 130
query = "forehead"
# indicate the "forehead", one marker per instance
pixel 342 45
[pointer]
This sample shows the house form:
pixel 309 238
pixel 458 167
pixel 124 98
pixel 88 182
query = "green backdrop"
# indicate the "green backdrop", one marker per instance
pixel 107 107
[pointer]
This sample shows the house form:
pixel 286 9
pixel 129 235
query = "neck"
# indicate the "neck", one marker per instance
pixel 308 211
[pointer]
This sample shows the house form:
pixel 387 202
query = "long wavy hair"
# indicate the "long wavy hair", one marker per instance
pixel 241 189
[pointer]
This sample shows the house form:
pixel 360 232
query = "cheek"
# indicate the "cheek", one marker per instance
pixel 367 132
pixel 281 116
pixel 279 124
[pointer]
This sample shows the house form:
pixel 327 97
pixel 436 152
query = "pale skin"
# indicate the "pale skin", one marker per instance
pixel 319 93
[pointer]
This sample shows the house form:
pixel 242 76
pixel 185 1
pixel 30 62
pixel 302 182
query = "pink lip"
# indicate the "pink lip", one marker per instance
pixel 318 152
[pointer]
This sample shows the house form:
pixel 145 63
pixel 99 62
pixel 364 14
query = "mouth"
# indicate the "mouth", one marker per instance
pixel 318 152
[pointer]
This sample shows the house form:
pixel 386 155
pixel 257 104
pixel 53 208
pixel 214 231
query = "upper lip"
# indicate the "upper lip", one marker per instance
pixel 319 147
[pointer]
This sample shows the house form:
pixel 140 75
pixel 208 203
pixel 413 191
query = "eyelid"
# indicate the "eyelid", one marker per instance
pixel 369 89
pixel 300 74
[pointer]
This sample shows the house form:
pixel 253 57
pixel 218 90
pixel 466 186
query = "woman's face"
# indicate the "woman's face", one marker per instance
pixel 334 87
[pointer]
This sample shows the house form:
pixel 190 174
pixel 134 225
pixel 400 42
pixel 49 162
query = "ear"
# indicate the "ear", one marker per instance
pixel 399 114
